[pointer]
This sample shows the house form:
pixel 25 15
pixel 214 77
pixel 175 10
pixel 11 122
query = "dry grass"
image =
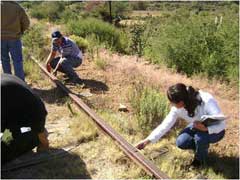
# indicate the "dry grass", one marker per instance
pixel 100 63
pixel 162 77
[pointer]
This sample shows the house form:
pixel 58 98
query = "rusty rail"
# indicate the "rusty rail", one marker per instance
pixel 128 149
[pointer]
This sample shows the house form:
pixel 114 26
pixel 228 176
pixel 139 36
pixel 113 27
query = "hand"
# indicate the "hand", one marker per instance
pixel 200 126
pixel 142 144
pixel 48 67
pixel 44 143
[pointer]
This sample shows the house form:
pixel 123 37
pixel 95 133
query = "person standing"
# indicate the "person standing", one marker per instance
pixel 14 21
pixel 201 111
pixel 23 116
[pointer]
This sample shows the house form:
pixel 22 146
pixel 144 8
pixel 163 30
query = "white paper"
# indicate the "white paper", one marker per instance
pixel 25 129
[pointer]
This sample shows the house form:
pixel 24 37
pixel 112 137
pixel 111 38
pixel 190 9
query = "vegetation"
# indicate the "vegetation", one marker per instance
pixel 199 45
pixel 81 42
pixel 150 106
pixel 183 36
pixel 35 43
pixel 106 34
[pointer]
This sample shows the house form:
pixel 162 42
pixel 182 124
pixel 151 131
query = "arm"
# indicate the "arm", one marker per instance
pixel 57 66
pixel 161 130
pixel 44 143
pixel 49 59
pixel 24 20
pixel 212 108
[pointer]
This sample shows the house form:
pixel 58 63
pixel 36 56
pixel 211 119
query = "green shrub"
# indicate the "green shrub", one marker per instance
pixel 198 45
pixel 48 10
pixel 150 106
pixel 137 42
pixel 34 42
pixel 31 70
pixel 81 42
pixel 107 34
pixel 100 63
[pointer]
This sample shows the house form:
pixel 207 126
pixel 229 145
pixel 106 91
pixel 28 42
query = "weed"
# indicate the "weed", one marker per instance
pixel 150 106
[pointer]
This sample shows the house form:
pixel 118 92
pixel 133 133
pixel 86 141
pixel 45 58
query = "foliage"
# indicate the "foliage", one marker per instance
pixel 100 63
pixel 137 42
pixel 105 32
pixel 34 42
pixel 197 46
pixel 81 42
pixel 31 70
pixel 150 106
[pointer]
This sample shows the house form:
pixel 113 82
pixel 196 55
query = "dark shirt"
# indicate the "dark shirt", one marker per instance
pixel 20 106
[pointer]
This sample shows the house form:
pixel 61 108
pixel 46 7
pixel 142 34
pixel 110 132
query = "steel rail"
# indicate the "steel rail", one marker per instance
pixel 128 149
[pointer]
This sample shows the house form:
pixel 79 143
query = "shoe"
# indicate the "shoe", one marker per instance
pixel 77 81
pixel 196 163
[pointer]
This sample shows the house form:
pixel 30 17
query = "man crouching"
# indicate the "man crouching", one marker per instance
pixel 70 57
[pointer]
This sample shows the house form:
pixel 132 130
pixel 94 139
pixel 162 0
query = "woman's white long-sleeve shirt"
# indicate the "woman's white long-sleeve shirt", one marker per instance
pixel 208 106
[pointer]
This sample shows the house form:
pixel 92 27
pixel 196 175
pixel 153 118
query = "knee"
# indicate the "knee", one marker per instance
pixel 64 62
pixel 181 143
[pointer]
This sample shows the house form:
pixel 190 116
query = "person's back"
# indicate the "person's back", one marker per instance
pixel 14 20
pixel 20 109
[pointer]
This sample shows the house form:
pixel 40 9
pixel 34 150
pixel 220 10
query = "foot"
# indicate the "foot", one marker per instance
pixel 77 81
pixel 196 163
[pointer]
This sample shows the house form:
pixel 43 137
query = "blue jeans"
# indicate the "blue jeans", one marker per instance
pixel 67 65
pixel 198 141
pixel 14 47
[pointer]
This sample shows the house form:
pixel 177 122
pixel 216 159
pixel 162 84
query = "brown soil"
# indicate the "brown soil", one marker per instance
pixel 111 87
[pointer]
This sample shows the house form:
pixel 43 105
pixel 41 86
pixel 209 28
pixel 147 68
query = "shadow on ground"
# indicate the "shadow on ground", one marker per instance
pixel 228 166
pixel 64 165
pixel 51 96
pixel 95 86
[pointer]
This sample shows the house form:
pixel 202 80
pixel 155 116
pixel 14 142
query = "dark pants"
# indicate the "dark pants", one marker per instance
pixel 67 65
pixel 198 141
pixel 20 144
pixel 14 48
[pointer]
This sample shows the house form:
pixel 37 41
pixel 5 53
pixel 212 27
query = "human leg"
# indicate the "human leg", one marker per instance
pixel 67 65
pixel 15 48
pixel 5 57
pixel 186 139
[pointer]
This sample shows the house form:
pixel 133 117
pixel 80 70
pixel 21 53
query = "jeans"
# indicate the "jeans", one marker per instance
pixel 67 65
pixel 14 47
pixel 198 141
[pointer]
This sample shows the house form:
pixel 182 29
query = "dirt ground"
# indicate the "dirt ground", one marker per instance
pixel 111 87
pixel 106 89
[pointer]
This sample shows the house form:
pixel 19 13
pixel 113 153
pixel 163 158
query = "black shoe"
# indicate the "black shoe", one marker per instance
pixel 196 163
pixel 77 81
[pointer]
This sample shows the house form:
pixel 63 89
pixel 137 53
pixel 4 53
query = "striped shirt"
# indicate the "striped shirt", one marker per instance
pixel 68 48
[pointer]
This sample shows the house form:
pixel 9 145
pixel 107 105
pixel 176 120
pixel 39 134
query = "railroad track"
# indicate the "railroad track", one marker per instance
pixel 127 148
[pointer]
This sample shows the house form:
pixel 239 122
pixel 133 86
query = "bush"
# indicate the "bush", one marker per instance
pixel 107 34
pixel 197 46
pixel 48 10
pixel 81 42
pixel 34 42
pixel 100 63
pixel 150 106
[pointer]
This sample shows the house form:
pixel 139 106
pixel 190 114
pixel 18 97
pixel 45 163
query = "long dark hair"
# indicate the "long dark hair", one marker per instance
pixel 179 92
